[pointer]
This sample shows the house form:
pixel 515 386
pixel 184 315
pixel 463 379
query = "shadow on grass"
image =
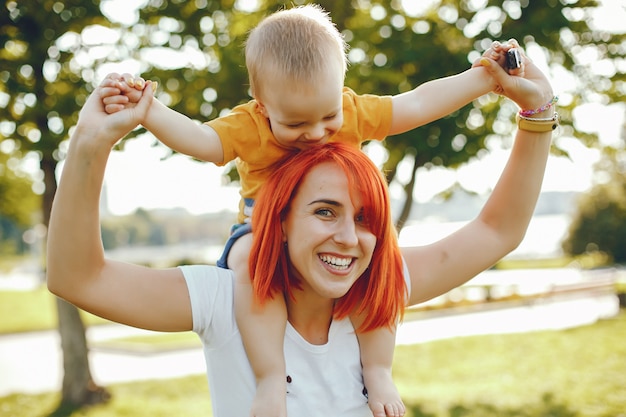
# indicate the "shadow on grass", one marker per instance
pixel 94 395
pixel 548 407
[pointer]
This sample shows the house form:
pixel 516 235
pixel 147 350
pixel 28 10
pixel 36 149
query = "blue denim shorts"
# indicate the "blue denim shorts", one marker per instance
pixel 237 231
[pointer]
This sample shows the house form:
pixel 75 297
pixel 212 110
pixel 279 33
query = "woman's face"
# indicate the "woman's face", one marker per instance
pixel 329 243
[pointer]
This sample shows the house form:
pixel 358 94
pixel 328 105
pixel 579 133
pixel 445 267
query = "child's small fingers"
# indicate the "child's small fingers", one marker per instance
pixel 112 77
pixel 115 99
pixel 128 79
pixel 513 42
pixel 494 51
pixel 137 83
pixel 109 91
pixel 109 83
pixel 113 108
pixel 140 83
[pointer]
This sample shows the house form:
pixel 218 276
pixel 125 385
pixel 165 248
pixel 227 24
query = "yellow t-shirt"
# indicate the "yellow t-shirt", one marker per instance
pixel 247 137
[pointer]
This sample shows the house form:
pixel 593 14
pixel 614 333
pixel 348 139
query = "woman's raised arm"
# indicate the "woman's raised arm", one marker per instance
pixel 502 223
pixel 77 269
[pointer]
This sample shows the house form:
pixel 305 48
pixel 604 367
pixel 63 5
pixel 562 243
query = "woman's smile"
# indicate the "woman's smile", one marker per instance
pixel 337 263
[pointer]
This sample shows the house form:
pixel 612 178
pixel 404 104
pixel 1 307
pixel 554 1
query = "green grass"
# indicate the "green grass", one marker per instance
pixel 586 261
pixel 22 311
pixel 151 343
pixel 186 397
pixel 25 311
pixel 579 372
pixel 10 261
pixel 576 372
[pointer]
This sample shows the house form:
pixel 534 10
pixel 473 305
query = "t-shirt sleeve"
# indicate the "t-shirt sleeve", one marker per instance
pixel 240 131
pixel 368 114
pixel 211 292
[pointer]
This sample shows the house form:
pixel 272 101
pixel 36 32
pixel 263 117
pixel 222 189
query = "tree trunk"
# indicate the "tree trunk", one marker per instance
pixel 78 388
pixel 408 191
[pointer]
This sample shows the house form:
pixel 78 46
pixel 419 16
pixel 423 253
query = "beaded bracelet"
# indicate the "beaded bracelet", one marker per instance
pixel 528 113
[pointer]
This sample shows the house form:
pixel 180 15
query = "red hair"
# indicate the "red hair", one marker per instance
pixel 380 293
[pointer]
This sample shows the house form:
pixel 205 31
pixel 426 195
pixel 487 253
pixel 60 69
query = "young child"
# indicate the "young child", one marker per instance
pixel 296 60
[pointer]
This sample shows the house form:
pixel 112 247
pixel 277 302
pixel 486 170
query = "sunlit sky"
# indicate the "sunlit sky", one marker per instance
pixel 138 177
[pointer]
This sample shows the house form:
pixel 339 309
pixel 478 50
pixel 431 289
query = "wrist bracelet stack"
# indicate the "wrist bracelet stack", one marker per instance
pixel 531 124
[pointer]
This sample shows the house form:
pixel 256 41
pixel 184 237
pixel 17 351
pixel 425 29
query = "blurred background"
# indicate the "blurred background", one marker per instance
pixel 164 209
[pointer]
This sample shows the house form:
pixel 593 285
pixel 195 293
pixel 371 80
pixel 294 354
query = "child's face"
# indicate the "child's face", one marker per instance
pixel 303 116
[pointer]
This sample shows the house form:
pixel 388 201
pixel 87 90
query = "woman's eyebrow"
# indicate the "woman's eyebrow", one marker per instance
pixel 324 201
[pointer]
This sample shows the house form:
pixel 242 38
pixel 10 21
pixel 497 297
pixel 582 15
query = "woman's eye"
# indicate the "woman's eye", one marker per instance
pixel 324 212
pixel 361 219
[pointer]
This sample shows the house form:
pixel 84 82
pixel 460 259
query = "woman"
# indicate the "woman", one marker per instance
pixel 325 247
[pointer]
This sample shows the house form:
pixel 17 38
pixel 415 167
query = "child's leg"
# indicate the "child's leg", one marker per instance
pixel 377 347
pixel 263 332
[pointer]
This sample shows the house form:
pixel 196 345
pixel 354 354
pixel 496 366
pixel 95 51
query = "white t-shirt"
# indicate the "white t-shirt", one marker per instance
pixel 326 380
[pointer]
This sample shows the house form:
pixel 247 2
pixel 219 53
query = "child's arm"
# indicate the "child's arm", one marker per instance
pixel 438 98
pixel 182 134
pixel 175 130
pixel 435 99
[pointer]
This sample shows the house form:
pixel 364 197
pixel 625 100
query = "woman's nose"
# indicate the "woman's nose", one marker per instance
pixel 346 233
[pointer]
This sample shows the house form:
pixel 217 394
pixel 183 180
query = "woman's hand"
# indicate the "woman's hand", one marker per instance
pixel 527 86
pixel 94 123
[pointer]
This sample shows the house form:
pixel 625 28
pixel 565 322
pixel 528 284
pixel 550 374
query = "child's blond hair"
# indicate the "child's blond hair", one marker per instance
pixel 295 44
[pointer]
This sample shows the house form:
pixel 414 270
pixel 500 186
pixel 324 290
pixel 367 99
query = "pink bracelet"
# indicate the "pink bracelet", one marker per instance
pixel 528 113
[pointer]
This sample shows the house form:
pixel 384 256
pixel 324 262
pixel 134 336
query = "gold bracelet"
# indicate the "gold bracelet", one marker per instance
pixel 530 124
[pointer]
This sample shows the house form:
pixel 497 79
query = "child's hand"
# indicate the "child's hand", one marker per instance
pixel 121 92
pixel 498 53
pixel 529 87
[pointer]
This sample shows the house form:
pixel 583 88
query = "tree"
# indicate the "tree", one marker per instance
pixel 19 204
pixel 599 224
pixel 46 75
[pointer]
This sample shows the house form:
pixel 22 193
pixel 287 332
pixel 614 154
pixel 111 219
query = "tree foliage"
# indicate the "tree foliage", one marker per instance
pixel 46 73
pixel 599 224
pixel 19 205
pixel 394 49
pixel 19 202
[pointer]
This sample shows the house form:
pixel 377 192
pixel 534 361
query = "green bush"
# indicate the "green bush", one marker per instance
pixel 599 224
